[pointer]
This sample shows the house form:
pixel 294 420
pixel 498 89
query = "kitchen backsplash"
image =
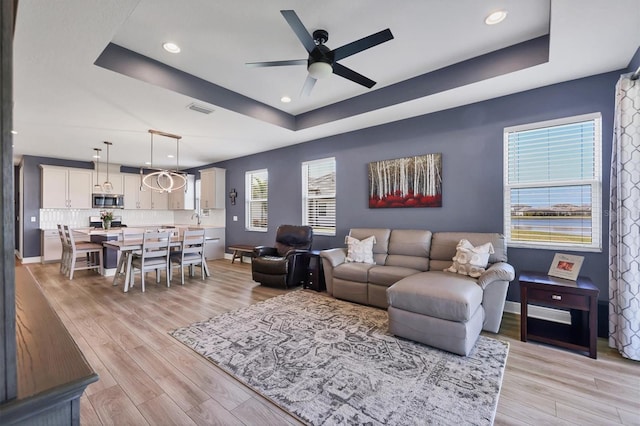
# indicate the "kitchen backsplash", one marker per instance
pixel 78 218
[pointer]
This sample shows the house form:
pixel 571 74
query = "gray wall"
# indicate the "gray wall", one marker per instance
pixel 471 141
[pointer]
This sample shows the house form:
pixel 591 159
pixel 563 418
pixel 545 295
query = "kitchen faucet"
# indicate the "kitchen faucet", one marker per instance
pixel 196 214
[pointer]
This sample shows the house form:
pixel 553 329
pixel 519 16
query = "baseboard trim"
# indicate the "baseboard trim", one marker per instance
pixel 549 314
pixel 36 259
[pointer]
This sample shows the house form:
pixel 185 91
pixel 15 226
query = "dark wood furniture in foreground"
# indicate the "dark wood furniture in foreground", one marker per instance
pixel 52 372
pixel 240 250
pixel 580 297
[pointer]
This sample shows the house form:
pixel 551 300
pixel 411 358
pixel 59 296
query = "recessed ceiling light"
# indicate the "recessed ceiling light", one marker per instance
pixel 285 99
pixel 14 132
pixel 171 47
pixel 170 156
pixel 96 156
pixel 147 163
pixel 496 17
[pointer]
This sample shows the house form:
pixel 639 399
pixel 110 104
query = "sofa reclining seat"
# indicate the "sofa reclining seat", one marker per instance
pixel 286 264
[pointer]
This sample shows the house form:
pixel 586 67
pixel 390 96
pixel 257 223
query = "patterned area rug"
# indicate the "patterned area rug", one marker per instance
pixel 332 362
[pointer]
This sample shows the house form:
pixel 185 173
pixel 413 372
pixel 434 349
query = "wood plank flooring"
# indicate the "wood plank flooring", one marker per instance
pixel 147 377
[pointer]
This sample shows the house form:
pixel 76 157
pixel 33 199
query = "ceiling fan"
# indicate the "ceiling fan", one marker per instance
pixel 322 61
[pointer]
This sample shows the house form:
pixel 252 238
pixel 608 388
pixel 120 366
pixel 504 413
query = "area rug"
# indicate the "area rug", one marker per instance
pixel 330 362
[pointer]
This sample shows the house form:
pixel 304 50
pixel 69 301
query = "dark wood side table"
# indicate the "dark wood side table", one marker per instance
pixel 315 277
pixel 580 297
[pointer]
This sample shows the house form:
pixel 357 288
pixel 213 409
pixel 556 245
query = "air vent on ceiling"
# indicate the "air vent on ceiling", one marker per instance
pixel 199 108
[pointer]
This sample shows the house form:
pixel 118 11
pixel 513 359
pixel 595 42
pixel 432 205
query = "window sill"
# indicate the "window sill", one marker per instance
pixel 554 247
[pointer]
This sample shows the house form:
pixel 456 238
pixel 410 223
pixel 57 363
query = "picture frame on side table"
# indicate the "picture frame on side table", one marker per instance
pixel 566 266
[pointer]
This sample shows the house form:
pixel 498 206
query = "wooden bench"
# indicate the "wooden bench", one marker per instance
pixel 240 250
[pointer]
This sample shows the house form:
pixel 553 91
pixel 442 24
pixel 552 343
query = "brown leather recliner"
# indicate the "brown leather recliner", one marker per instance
pixel 286 264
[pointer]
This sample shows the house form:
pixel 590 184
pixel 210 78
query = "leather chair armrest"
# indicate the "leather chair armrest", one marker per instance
pixel 295 252
pixel 499 271
pixel 264 251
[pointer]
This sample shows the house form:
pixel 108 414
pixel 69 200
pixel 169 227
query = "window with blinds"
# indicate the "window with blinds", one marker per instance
pixel 257 203
pixel 552 176
pixel 319 195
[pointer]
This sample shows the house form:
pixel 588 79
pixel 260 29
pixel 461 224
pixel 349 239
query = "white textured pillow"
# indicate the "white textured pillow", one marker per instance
pixel 470 260
pixel 360 251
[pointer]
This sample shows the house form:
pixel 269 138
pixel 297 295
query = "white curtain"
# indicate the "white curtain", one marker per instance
pixel 624 222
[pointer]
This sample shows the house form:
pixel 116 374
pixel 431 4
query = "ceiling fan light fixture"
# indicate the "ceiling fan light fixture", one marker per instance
pixel 495 17
pixel 319 70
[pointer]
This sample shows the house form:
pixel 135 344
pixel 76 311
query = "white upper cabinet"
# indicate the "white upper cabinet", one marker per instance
pixel 133 197
pixel 64 187
pixel 183 199
pixel 212 188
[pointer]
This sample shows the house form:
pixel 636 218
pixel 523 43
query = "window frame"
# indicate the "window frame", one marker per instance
pixel 248 218
pixel 305 196
pixel 595 183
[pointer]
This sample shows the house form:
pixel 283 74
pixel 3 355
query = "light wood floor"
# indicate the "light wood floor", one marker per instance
pixel 148 377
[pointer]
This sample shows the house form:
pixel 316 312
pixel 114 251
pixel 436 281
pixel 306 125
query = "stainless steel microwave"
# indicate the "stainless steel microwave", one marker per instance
pixel 107 201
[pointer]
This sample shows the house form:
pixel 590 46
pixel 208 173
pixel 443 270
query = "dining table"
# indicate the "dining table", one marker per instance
pixel 135 244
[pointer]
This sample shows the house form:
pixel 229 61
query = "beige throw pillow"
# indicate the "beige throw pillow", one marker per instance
pixel 470 260
pixel 360 251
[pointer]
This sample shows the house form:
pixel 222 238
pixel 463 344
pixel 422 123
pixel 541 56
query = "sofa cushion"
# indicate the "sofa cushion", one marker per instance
pixel 389 275
pixel 443 246
pixel 360 251
pixel 381 246
pixel 437 294
pixel 358 272
pixel 409 248
pixel 470 260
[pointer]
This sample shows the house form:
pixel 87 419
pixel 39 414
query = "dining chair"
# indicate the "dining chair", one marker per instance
pixel 66 252
pixel 82 255
pixel 191 253
pixel 154 256
pixel 126 256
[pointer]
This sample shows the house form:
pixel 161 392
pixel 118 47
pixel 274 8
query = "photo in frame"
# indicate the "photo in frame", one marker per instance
pixel 566 266
pixel 406 182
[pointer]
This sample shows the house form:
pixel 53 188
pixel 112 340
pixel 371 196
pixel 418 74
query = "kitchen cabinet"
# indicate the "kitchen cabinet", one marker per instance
pixel 133 197
pixel 116 179
pixel 64 187
pixel 212 188
pixel 159 200
pixel 183 199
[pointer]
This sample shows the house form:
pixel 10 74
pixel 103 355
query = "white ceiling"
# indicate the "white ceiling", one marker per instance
pixel 65 105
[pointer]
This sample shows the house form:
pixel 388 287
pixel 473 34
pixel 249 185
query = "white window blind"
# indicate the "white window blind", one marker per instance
pixel 319 195
pixel 553 184
pixel 257 204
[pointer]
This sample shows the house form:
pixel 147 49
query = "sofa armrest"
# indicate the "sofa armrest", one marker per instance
pixel 330 259
pixel 499 271
pixel 264 251
pixel 335 256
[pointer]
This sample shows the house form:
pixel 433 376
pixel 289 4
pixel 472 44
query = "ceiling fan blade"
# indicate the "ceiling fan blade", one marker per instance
pixel 350 74
pixel 296 25
pixel 277 63
pixel 362 44
pixel 308 85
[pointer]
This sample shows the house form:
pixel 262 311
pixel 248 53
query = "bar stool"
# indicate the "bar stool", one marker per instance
pixel 91 254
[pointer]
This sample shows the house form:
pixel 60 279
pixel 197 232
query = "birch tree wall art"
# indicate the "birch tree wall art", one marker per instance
pixel 406 182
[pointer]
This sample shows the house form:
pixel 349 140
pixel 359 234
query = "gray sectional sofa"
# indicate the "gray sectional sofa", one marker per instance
pixel 426 304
